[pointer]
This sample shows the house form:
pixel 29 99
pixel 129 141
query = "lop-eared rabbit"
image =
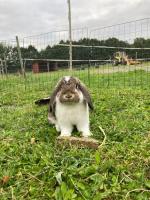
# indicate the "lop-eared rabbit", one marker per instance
pixel 69 106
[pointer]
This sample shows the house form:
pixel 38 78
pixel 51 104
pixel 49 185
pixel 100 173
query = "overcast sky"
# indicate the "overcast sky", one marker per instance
pixel 28 17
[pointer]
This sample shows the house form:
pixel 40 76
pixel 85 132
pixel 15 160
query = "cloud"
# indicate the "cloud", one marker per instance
pixel 19 17
pixel 109 12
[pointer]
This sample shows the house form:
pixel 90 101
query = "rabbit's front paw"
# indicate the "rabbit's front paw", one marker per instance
pixel 86 133
pixel 66 131
pixel 64 134
pixel 57 128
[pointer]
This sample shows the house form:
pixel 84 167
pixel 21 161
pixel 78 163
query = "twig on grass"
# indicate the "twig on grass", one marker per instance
pixel 34 177
pixel 24 195
pixel 6 139
pixel 12 193
pixel 137 189
pixel 75 186
pixel 44 170
pixel 105 137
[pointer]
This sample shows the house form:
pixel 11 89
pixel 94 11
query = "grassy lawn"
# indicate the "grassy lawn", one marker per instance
pixel 120 169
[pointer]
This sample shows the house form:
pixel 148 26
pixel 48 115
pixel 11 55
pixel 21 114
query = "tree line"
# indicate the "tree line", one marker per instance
pixel 79 53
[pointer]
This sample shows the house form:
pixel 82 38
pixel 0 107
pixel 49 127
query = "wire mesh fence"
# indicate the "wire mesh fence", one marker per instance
pixel 112 56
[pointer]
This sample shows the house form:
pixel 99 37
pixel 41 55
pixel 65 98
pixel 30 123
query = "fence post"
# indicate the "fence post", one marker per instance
pixel 70 35
pixel 20 57
pixel 48 66
pixel 5 63
pixel 1 67
pixel 89 58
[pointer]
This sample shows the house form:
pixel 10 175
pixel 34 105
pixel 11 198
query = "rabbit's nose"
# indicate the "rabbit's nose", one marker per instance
pixel 68 96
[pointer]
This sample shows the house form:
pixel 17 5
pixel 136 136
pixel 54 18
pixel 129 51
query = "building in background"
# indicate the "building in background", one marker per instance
pixel 44 66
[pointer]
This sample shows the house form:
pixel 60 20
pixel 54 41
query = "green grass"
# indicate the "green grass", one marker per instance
pixel 120 169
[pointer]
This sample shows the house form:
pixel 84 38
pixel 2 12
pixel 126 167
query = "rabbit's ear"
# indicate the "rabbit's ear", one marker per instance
pixel 86 94
pixel 53 96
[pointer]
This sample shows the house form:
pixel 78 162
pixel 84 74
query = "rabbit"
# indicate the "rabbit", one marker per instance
pixel 69 106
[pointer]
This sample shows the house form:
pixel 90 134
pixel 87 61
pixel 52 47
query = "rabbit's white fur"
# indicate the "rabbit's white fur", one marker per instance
pixel 74 114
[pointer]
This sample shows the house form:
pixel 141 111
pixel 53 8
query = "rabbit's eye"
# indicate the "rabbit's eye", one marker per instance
pixel 77 87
